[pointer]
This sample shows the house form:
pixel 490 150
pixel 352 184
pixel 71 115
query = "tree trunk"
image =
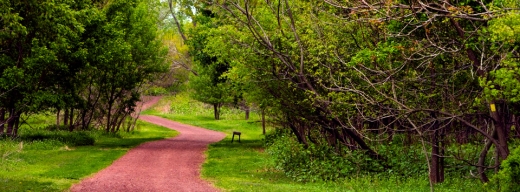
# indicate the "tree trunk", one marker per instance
pixel 2 121
pixel 71 119
pixel 299 135
pixel 109 113
pixel 216 111
pixel 247 109
pixel 179 29
pixel 58 121
pixel 482 160
pixel 436 165
pixel 16 124
pixel 500 129
pixel 65 117
pixel 10 123
pixel 263 121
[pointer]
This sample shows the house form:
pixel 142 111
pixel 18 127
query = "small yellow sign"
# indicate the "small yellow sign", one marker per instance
pixel 492 106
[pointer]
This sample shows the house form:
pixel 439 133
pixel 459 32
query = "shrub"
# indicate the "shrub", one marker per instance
pixel 508 178
pixel 70 138
pixel 316 162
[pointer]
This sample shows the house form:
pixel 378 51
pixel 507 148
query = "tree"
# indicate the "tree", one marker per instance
pixel 37 40
pixel 125 52
pixel 210 86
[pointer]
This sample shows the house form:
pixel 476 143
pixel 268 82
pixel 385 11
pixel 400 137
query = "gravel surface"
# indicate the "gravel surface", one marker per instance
pixel 166 165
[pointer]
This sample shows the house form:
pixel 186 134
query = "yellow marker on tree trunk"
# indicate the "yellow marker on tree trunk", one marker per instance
pixel 492 106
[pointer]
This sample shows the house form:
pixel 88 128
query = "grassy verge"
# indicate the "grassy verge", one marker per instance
pixel 246 167
pixel 52 165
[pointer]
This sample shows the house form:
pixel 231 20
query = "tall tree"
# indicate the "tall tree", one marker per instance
pixel 210 85
pixel 37 39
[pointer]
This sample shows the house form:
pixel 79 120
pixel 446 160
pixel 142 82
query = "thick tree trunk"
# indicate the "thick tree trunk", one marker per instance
pixel 299 135
pixel 500 129
pixel 216 111
pixel 16 124
pixel 65 117
pixel 436 174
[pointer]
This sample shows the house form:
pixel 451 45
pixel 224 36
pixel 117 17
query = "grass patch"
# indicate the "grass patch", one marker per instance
pixel 246 167
pixel 49 161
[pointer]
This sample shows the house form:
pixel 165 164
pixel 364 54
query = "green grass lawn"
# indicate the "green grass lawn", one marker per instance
pixel 50 165
pixel 246 166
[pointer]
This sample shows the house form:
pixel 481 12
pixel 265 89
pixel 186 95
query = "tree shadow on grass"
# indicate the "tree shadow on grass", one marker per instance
pixel 124 143
pixel 15 185
pixel 243 144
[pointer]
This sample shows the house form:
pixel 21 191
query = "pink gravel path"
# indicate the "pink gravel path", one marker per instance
pixel 166 165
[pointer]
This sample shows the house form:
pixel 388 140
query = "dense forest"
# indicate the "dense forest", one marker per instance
pixel 408 88
pixel 382 84
pixel 84 59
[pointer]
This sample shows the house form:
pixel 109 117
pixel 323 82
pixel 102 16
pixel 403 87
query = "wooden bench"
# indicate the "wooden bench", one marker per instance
pixel 236 133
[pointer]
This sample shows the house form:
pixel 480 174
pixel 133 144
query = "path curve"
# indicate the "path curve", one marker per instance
pixel 166 165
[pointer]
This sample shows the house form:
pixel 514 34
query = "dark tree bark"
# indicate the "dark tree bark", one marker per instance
pixel 216 111
pixel 2 121
pixel 11 122
pixel 109 116
pixel 71 119
pixel 263 121
pixel 482 160
pixel 500 129
pixel 66 117
pixel 58 121
pixel 299 135
pixel 436 174
pixel 16 124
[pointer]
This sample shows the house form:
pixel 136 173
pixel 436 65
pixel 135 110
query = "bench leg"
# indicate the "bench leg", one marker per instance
pixel 232 138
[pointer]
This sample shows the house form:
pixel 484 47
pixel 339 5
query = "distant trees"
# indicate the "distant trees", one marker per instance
pixel 87 58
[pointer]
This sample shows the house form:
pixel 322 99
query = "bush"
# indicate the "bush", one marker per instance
pixel 508 178
pixel 316 163
pixel 70 138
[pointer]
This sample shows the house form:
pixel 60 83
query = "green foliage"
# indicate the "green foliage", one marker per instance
pixel 504 82
pixel 79 55
pixel 508 178
pixel 210 85
pixel 156 91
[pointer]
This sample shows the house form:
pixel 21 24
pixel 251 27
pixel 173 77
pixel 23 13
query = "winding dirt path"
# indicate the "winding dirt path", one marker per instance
pixel 166 165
